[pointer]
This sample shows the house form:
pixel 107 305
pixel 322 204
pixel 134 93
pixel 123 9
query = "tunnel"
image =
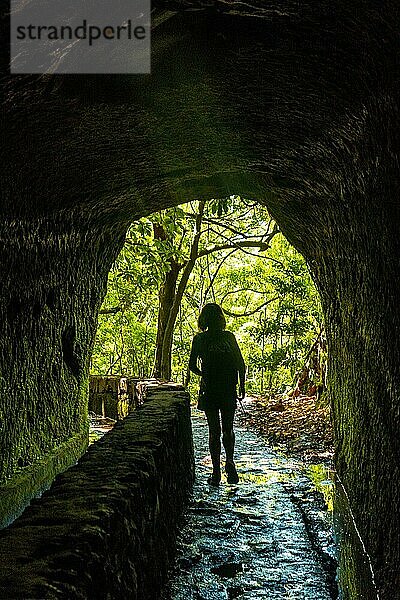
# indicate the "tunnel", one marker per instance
pixel 295 105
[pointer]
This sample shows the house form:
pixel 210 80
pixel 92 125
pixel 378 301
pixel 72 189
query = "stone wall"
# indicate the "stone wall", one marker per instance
pixel 112 396
pixel 107 526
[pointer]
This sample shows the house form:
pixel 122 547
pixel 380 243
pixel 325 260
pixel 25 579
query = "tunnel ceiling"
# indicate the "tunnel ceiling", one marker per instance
pixel 272 100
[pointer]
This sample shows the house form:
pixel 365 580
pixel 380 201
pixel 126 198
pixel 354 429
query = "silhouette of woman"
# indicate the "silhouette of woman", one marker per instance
pixel 221 362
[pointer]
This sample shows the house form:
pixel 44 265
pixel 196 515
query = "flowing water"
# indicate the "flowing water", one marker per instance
pixel 270 536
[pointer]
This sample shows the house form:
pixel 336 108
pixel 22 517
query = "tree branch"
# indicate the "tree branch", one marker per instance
pixel 212 279
pixel 223 225
pixel 251 312
pixel 263 246
pixel 241 290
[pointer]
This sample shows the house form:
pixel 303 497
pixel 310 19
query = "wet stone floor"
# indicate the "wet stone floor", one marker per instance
pixel 267 537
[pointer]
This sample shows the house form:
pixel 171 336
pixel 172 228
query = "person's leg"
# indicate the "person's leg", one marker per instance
pixel 228 435
pixel 228 439
pixel 214 439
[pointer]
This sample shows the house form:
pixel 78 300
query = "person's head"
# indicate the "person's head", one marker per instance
pixel 211 317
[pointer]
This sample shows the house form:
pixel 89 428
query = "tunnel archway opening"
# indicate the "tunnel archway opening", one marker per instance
pixel 228 251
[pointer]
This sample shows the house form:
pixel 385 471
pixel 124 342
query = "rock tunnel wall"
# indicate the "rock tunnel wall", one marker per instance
pixel 32 481
pixel 310 128
pixel 107 526
pixel 56 273
pixel 46 336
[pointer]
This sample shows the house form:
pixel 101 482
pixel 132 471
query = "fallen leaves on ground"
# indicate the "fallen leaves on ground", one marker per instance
pixel 298 424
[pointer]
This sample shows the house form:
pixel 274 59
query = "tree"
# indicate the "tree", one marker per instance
pixel 177 277
pixel 175 261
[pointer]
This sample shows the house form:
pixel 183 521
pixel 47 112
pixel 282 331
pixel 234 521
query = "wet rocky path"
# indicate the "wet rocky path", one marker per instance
pixel 267 537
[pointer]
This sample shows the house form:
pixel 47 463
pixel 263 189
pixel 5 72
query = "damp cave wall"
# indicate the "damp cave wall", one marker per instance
pixel 297 107
pixel 352 252
pixel 56 274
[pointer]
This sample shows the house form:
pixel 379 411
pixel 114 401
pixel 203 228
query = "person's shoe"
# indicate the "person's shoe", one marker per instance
pixel 215 478
pixel 231 473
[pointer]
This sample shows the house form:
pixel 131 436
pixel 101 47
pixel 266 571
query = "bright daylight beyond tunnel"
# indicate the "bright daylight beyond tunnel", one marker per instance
pixel 230 252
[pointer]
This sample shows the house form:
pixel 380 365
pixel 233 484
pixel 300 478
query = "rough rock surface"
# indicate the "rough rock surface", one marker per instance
pixel 107 526
pixel 31 481
pixel 295 104
pixel 264 538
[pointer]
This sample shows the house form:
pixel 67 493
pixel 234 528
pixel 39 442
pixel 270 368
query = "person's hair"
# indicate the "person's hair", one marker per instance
pixel 211 317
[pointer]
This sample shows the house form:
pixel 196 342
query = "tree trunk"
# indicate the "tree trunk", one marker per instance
pixel 166 349
pixel 169 324
pixel 162 368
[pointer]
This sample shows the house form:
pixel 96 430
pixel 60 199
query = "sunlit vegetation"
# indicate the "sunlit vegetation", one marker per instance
pixel 322 478
pixel 230 252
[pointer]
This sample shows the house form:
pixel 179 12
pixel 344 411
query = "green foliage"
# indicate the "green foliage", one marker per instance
pixel 266 291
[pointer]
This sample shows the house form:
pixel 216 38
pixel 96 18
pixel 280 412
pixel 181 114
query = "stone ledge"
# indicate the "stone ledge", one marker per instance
pixel 107 526
pixel 32 481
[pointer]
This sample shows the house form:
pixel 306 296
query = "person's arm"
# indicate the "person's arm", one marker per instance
pixel 242 377
pixel 241 367
pixel 194 354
